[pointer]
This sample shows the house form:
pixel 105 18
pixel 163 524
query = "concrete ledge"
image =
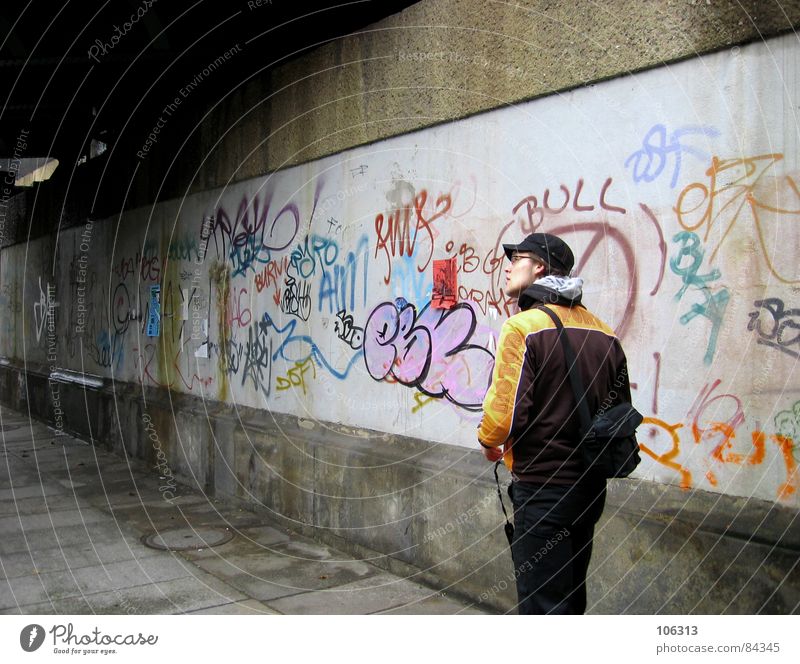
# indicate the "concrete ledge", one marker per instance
pixel 442 60
pixel 663 550
pixel 430 512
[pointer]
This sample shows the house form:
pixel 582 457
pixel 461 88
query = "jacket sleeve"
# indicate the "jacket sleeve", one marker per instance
pixel 498 404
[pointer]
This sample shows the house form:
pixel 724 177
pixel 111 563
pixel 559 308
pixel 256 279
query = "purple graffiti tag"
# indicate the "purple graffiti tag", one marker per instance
pixel 250 237
pixel 650 161
pixel 429 351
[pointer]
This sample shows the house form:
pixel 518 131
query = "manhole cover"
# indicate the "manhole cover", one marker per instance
pixel 9 427
pixel 182 539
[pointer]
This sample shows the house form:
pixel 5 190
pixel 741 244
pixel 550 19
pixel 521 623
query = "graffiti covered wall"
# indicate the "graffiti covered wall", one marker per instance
pixel 308 291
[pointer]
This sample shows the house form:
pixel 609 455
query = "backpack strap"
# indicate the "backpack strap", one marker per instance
pixel 572 369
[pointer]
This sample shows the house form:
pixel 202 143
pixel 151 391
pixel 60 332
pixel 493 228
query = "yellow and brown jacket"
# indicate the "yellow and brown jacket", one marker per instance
pixel 530 406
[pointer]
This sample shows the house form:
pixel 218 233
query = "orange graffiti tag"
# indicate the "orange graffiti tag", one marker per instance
pixel 723 453
pixel 666 459
pixel 786 445
pixel 722 203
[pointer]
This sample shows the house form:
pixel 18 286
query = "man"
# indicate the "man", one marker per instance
pixel 530 409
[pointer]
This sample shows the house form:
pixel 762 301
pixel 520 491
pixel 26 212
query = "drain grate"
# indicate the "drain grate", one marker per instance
pixel 183 539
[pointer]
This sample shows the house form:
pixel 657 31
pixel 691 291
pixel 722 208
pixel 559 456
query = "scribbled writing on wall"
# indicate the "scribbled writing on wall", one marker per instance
pixel 258 359
pixel 180 369
pixel 652 158
pixel 185 248
pixel 122 309
pixel 714 301
pixel 296 300
pixel 107 350
pixel 340 283
pixel 657 429
pixel 271 275
pixel 145 264
pixel 717 428
pixel 535 213
pixel 296 376
pixel 787 424
pixel 470 260
pixel 238 314
pixel 713 420
pixel 44 308
pixel 229 352
pixel 605 240
pixel 314 254
pixel 781 330
pixel 347 331
pixel 433 351
pixel 409 282
pixel 334 226
pixel 736 186
pixel 398 231
pixel 254 233
pixel 293 347
pixel 556 203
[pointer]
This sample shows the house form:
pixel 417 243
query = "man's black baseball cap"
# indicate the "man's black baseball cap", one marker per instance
pixel 550 248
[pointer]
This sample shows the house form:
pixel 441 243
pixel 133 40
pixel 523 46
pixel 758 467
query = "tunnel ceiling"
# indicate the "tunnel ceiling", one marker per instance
pixel 76 72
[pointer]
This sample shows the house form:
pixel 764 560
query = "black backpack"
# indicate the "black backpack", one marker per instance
pixel 608 440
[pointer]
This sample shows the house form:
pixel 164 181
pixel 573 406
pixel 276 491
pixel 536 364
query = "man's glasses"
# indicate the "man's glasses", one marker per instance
pixel 519 257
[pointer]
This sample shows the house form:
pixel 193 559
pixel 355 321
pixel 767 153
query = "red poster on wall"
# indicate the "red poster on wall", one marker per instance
pixel 445 284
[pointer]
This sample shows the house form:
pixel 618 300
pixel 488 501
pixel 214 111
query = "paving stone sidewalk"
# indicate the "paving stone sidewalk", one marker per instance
pixel 73 520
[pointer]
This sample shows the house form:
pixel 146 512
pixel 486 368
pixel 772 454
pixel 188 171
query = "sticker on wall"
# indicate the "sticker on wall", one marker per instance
pixel 445 284
pixel 184 304
pixel 154 319
pixel 202 348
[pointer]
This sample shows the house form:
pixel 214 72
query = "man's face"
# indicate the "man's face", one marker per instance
pixel 521 271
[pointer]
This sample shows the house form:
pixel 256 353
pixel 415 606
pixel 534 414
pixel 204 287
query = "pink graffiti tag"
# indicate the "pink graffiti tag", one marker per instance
pixel 429 351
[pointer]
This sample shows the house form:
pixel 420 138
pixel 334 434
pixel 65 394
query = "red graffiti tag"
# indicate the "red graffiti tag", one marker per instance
pixel 398 236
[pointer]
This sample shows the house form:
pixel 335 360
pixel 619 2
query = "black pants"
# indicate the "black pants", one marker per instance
pixel 553 531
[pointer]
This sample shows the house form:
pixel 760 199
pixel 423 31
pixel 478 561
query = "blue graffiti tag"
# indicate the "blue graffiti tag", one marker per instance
pixel 108 350
pixel 304 348
pixel 340 282
pixel 649 162
pixel 407 279
pixel 714 304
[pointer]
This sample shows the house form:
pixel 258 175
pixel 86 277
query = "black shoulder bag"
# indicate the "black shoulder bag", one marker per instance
pixel 608 441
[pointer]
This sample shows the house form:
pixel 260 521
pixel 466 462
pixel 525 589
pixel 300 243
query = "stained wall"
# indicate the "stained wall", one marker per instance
pixel 307 291
pixel 293 359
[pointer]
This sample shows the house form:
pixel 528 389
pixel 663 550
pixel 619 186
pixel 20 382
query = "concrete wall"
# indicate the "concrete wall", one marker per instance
pixel 306 292
pixel 431 512
pixel 437 61
pixel 441 60
pixel 286 371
